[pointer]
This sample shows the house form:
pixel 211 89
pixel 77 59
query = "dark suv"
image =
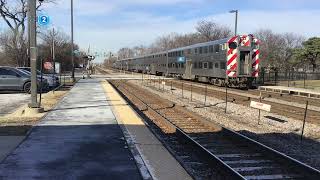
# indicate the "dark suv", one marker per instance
pixel 14 79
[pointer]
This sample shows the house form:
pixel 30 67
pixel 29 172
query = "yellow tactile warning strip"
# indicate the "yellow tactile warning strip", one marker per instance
pixel 160 163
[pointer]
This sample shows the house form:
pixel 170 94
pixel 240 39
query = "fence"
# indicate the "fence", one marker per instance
pixel 310 80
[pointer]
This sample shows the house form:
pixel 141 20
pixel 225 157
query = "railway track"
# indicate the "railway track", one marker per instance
pixel 235 155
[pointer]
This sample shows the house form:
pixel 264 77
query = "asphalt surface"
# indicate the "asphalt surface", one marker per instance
pixel 9 102
pixel 79 139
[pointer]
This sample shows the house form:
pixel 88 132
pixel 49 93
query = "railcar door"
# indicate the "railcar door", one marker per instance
pixel 244 63
pixel 153 68
pixel 188 70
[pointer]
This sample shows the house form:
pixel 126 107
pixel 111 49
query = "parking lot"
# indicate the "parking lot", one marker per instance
pixel 9 102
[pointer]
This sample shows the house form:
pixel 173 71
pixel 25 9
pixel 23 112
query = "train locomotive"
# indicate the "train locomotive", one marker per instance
pixel 232 62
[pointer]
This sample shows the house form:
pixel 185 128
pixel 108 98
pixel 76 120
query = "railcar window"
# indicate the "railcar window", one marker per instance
pixel 200 65
pixel 211 49
pixel 222 65
pixel 216 48
pixel 205 65
pixel 210 65
pixel 205 49
pixel 216 65
pixel 200 50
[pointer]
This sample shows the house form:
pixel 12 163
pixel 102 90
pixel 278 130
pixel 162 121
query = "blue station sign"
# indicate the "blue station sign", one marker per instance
pixel 181 59
pixel 43 20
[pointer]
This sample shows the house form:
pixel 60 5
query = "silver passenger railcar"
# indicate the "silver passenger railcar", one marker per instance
pixel 232 61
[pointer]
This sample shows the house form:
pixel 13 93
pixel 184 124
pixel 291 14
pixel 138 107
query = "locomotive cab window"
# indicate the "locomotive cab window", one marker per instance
pixel 233 45
pixel 196 50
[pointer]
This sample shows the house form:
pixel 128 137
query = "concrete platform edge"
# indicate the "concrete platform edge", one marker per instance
pixel 142 166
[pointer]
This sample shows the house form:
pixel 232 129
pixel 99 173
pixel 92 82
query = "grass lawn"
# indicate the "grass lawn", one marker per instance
pixel 309 84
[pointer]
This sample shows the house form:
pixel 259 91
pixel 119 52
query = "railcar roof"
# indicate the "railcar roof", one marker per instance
pixel 183 48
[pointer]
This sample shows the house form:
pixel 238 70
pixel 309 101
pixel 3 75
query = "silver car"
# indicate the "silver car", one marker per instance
pixel 14 79
pixel 53 80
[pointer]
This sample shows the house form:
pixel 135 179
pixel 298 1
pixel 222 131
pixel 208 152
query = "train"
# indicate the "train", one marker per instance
pixel 232 62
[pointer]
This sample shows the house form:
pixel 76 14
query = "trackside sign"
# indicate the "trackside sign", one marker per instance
pixel 261 106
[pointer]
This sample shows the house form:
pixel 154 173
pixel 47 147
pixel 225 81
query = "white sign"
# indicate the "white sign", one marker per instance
pixel 261 106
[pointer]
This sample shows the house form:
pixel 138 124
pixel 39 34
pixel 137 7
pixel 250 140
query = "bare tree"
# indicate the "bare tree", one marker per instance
pixel 212 31
pixel 277 49
pixel 124 53
pixel 14 14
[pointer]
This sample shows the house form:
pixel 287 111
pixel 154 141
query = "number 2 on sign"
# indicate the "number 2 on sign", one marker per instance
pixel 44 19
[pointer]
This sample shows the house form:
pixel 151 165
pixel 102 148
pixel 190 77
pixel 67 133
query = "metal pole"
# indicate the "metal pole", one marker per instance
pixel 33 51
pixel 205 96
pixel 304 120
pixel 304 80
pixel 53 56
pixel 167 69
pixel 236 23
pixel 225 110
pixel 53 52
pixel 259 109
pixel 41 82
pixel 72 45
pixel 182 89
pixel 191 92
pixel 171 87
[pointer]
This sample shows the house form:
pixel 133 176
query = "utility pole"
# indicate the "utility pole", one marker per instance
pixel 53 51
pixel 33 52
pixel 236 21
pixel 72 45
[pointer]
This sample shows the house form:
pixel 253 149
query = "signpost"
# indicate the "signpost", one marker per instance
pixel 260 106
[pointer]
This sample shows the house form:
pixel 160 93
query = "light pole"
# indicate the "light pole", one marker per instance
pixel 72 45
pixel 33 51
pixel 236 21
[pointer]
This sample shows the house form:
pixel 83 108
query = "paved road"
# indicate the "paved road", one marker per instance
pixel 80 139
pixel 10 102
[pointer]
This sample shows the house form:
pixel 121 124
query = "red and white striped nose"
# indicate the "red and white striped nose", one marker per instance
pixel 232 55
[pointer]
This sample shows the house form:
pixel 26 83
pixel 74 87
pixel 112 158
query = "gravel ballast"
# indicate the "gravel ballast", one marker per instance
pixel 278 132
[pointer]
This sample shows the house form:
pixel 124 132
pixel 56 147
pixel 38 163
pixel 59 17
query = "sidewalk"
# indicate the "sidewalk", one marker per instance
pixel 79 139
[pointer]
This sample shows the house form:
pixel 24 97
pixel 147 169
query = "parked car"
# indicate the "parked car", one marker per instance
pixel 14 79
pixel 53 80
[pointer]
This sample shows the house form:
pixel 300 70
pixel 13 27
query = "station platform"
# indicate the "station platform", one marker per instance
pixel 292 90
pixel 81 138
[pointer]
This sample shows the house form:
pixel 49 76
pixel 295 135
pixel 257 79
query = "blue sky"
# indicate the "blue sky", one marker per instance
pixel 108 25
